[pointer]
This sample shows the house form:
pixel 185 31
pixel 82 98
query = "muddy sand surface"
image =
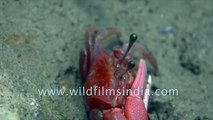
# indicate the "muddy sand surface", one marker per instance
pixel 40 43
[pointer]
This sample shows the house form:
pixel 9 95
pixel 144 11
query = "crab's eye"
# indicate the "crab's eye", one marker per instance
pixel 132 38
pixel 131 65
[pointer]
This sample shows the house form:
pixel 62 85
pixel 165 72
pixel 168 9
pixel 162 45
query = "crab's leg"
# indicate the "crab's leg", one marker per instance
pixel 86 54
pixel 147 55
pixel 134 107
pixel 83 64
pixel 107 33
pixel 92 37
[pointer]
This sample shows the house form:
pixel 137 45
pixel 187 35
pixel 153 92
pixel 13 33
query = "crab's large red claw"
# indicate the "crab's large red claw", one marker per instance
pixel 134 107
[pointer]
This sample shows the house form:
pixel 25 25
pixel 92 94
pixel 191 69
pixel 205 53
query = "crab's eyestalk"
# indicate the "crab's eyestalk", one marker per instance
pixel 131 64
pixel 132 38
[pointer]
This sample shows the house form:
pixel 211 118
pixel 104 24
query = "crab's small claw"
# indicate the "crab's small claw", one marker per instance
pixel 113 114
pixel 134 107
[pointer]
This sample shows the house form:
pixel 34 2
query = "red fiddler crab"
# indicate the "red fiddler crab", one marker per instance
pixel 114 72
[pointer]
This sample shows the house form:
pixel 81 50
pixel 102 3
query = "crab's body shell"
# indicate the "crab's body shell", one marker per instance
pixel 101 76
